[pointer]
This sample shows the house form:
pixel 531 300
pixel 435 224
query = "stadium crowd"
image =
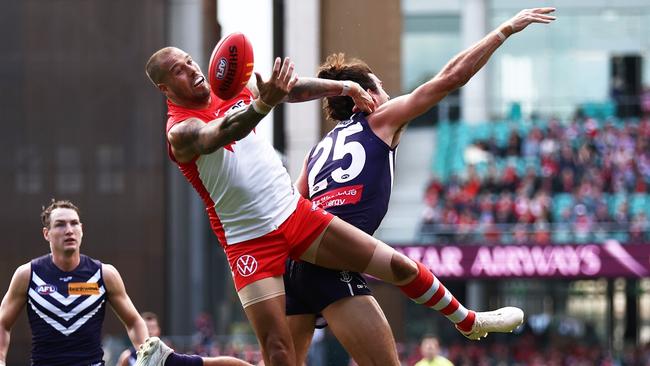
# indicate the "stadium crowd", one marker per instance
pixel 530 350
pixel 548 181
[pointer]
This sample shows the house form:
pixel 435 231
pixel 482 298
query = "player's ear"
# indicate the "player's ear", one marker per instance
pixel 45 232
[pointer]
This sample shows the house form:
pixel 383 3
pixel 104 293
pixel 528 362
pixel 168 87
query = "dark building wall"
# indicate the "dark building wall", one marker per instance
pixel 80 121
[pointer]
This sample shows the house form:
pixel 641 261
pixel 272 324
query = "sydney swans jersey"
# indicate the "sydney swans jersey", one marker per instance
pixel 66 313
pixel 350 174
pixel 246 190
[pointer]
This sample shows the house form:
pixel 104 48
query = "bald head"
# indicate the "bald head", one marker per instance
pixel 154 68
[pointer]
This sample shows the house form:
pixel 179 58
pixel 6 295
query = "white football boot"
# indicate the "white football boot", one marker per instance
pixel 503 320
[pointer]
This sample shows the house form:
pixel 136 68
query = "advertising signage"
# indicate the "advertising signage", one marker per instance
pixel 609 259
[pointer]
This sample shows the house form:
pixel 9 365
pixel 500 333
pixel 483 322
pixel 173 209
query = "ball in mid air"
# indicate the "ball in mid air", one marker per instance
pixel 231 65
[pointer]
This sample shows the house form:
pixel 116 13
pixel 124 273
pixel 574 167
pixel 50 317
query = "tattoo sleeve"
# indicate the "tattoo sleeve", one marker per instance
pixel 234 126
pixel 313 88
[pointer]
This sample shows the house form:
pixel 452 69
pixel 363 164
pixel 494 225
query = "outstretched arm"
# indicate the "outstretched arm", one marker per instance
pixel 12 303
pixel 123 307
pixel 394 114
pixel 315 88
pixel 307 89
pixel 192 137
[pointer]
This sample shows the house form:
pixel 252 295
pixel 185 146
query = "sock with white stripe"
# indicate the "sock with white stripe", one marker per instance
pixel 427 290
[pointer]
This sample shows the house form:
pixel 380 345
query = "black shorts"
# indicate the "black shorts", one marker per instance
pixel 310 288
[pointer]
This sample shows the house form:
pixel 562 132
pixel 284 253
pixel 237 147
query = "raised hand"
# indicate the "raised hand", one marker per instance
pixel 528 16
pixel 282 80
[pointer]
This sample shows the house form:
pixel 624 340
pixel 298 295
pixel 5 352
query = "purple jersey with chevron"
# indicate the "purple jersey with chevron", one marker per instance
pixel 350 174
pixel 66 313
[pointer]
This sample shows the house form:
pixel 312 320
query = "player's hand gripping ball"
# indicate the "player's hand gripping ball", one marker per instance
pixel 231 65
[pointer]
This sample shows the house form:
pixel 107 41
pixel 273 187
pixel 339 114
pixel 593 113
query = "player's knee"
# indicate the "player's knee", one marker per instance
pixel 404 269
pixel 279 351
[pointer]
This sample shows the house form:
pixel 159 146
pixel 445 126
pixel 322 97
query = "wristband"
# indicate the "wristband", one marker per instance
pixel 501 36
pixel 260 107
pixel 346 88
pixel 2 363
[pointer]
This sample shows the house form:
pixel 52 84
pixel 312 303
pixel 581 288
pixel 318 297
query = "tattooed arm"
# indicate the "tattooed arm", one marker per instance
pixel 194 137
pixel 307 89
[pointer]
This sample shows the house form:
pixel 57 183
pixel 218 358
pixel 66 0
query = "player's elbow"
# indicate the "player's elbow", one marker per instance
pixel 174 137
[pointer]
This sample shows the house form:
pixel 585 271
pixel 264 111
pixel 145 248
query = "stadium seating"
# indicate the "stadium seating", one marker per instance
pixel 608 164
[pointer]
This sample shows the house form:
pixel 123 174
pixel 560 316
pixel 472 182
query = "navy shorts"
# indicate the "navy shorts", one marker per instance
pixel 310 288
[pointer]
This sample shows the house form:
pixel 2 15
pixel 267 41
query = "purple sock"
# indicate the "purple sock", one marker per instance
pixel 176 359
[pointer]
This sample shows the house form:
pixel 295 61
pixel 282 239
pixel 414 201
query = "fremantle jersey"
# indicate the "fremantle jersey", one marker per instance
pixel 246 190
pixel 66 313
pixel 350 174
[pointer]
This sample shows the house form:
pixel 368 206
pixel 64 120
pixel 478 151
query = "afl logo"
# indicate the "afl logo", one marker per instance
pixel 46 289
pixel 246 265
pixel 221 68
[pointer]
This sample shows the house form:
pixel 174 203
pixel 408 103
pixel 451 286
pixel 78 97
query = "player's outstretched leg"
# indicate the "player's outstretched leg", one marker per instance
pixel 427 290
pixel 153 352
pixel 344 247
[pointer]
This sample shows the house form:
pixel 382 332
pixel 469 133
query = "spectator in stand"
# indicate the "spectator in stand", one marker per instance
pixel 566 160
pixel 513 147
pixel 203 339
pixel 491 183
pixel 639 228
pixel 510 180
pixel 531 145
pixel 566 182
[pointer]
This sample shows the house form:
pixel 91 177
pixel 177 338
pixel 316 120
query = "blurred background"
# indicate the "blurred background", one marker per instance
pixel 527 187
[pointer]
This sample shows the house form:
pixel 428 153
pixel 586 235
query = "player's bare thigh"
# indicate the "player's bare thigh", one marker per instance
pixel 341 246
pixel 261 290
pixel 264 305
pixel 353 320
pixel 344 247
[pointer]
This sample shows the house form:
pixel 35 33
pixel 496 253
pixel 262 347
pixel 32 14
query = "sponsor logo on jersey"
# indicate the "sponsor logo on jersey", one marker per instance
pixel 345 276
pixel 349 195
pixel 66 279
pixel 246 265
pixel 46 289
pixel 221 68
pixel 83 288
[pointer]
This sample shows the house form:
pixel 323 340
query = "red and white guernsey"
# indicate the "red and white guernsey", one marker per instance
pixel 246 190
